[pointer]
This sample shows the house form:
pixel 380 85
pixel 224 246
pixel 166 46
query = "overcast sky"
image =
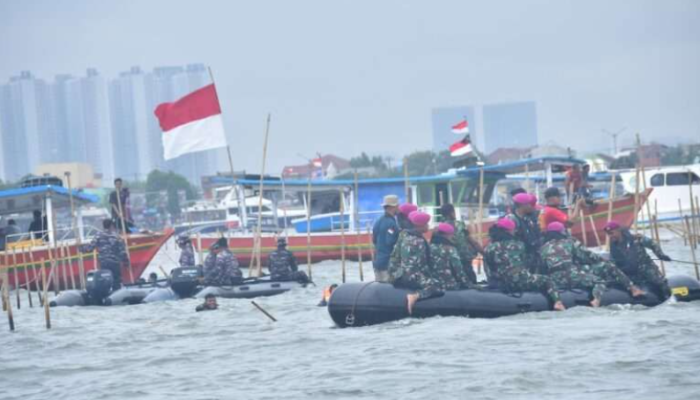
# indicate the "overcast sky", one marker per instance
pixel 346 76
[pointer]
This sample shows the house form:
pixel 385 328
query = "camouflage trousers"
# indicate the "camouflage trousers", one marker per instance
pixel 579 279
pixel 610 274
pixel 425 286
pixel 649 274
pixel 524 281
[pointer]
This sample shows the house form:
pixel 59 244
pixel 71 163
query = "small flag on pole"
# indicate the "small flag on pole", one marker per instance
pixel 461 148
pixel 461 128
pixel 192 123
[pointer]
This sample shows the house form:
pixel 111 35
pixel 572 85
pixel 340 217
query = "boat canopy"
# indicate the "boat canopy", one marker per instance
pixel 28 199
pixel 557 164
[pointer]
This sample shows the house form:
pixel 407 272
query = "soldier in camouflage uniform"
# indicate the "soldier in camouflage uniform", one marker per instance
pixel 527 229
pixel 410 264
pixel 447 265
pixel 506 264
pixel 221 266
pixel 629 253
pixel 467 247
pixel 186 251
pixel 283 266
pixel 570 265
pixel 111 251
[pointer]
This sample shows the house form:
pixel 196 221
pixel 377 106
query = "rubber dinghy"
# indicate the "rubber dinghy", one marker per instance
pixel 98 292
pixel 362 304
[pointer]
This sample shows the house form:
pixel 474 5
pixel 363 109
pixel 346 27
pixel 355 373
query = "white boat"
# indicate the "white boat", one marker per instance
pixel 671 195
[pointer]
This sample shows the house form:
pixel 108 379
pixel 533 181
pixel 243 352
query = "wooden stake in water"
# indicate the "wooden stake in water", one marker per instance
pixel 636 187
pixel 36 276
pixel 680 214
pixel 7 301
pixel 308 224
pixel 342 233
pixel 262 310
pixel 47 313
pixel 611 200
pixel 692 251
pixel 258 263
pixel 358 229
pixel 16 275
pixel 27 281
pixel 76 232
pixel 655 225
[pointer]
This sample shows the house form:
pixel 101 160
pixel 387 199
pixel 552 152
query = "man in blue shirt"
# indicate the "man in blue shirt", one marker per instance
pixel 384 236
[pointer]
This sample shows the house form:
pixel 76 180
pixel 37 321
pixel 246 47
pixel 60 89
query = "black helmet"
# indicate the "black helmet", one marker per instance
pixel 552 192
pixel 183 239
pixel 221 243
pixel 281 241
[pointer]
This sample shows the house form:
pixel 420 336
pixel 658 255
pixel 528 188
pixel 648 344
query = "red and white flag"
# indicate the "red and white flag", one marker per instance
pixel 461 148
pixel 192 123
pixel 460 128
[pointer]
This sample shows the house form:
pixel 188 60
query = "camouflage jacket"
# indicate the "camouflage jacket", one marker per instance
pixel 447 266
pixel 630 252
pixel 221 269
pixel 411 256
pixel 505 259
pixel 187 257
pixel 465 247
pixel 566 253
pixel 281 264
pixel 110 248
pixel 527 230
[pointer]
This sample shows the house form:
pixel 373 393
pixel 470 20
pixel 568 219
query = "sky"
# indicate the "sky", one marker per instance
pixel 343 77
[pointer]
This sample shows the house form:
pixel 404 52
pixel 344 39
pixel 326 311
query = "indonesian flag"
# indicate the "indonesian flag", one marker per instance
pixel 317 162
pixel 460 128
pixel 192 123
pixel 463 147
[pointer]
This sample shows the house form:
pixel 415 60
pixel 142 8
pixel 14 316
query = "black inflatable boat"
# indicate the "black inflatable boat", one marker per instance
pixel 361 304
pixel 98 292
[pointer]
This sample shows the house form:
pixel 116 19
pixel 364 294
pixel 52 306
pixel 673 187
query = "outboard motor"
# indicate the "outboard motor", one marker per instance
pixel 184 281
pixel 99 285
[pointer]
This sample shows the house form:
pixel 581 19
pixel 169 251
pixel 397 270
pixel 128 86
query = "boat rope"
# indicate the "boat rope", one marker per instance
pixel 350 318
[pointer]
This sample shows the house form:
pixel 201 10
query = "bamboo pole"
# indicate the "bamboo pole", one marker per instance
pixel 76 233
pixel 692 251
pixel 480 221
pixel 527 177
pixel 27 280
pixel 342 234
pixel 69 264
pixel 7 301
pixel 692 231
pixel 61 261
pixel 257 242
pixel 658 241
pixel 308 225
pixel 36 276
pixel 583 228
pixel 47 313
pixel 284 212
pixel 358 228
pixel 611 201
pixel 16 276
pixel 94 260
pixel 595 232
pixel 200 251
pixel 680 214
pixel 125 236
pixel 371 244
pixel 262 310
pixel 406 184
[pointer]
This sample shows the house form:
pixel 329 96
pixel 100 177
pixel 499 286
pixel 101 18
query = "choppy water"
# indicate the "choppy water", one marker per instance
pixel 167 351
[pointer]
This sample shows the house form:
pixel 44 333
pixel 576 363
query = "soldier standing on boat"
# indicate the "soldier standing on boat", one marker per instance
pixel 630 255
pixel 221 266
pixel 527 229
pixel 283 265
pixel 467 247
pixel 384 236
pixel 186 251
pixel 111 251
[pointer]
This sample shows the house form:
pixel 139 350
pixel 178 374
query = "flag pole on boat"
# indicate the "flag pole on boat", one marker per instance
pixel 479 226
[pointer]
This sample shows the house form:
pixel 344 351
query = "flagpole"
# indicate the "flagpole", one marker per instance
pixel 257 242
pixel 241 209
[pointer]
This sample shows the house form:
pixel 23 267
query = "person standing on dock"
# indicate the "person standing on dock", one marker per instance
pixel 527 229
pixel 111 251
pixel 630 255
pixel 467 247
pixel 411 264
pixel 186 251
pixel 283 265
pixel 221 266
pixel 385 234
pixel 506 265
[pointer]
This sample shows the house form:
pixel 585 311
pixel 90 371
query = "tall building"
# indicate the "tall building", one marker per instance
pixel 510 125
pixel 444 118
pixel 26 118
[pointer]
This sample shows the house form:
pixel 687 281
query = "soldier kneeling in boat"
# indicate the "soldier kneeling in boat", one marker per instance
pixel 221 266
pixel 506 263
pixel 283 266
pixel 629 253
pixel 111 251
pixel 209 303
pixel 410 266
pixel 567 263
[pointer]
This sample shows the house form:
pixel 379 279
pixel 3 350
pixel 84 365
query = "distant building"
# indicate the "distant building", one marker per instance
pixel 81 174
pixel 509 125
pixel 328 167
pixel 443 118
pixel 507 154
